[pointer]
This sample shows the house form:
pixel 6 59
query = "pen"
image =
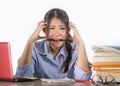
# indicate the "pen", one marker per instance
pixel 84 81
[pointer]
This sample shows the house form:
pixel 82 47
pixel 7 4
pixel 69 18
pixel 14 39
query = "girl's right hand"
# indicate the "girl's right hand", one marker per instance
pixel 35 36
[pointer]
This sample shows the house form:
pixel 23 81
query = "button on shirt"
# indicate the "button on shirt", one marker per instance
pixel 45 66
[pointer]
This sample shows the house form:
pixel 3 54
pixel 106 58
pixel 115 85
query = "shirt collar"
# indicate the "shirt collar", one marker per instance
pixel 42 47
pixel 63 51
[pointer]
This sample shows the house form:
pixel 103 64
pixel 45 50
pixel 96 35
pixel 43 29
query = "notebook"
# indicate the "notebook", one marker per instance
pixel 6 69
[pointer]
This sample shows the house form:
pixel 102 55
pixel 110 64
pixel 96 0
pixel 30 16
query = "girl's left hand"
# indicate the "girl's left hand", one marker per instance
pixel 76 38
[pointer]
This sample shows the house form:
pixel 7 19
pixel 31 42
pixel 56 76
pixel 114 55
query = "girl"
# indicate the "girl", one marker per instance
pixel 55 55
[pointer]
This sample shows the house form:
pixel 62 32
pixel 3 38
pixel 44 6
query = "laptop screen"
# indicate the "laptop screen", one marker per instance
pixel 6 71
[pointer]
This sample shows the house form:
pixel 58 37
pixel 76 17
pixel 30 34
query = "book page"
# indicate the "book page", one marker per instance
pixel 65 80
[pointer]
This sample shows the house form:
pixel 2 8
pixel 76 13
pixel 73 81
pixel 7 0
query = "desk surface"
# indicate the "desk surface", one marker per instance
pixel 39 83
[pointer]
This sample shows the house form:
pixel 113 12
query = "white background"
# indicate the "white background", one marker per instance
pixel 98 21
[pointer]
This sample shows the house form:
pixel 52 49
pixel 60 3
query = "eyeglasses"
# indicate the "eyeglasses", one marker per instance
pixel 109 80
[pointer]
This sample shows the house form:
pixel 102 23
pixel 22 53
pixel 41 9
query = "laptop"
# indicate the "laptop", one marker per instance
pixel 6 69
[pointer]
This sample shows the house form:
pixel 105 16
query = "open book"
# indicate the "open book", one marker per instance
pixel 65 80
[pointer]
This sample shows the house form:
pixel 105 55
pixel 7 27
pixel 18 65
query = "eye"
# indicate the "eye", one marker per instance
pixel 62 28
pixel 51 28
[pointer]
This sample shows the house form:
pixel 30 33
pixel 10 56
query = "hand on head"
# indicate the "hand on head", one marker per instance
pixel 35 35
pixel 76 37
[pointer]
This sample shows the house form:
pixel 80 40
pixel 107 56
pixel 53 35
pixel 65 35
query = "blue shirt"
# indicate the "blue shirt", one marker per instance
pixel 45 66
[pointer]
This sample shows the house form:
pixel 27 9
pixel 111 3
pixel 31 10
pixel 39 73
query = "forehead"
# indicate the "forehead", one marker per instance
pixel 55 20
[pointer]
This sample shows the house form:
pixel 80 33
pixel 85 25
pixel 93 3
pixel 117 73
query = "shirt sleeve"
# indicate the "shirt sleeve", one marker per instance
pixel 26 70
pixel 80 74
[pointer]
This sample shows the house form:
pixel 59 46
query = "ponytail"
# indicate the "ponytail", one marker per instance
pixel 66 63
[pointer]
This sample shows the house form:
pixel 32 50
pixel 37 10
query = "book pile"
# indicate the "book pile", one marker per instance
pixel 106 61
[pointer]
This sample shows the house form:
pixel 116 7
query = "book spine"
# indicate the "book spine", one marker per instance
pixel 105 65
pixel 105 68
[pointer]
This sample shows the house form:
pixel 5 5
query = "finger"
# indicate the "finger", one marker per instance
pixel 72 25
pixel 42 37
pixel 40 26
pixel 40 22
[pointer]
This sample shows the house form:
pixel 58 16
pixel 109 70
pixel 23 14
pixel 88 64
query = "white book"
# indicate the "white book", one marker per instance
pixel 106 59
pixel 104 50
pixel 103 54
pixel 65 80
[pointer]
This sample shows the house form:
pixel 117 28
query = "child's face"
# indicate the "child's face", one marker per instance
pixel 57 31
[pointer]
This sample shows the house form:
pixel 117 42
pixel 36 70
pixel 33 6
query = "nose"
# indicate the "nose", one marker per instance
pixel 57 32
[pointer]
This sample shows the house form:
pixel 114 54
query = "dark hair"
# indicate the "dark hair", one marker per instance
pixel 62 15
pixel 58 13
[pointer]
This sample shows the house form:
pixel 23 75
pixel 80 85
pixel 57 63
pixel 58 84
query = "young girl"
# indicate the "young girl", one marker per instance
pixel 56 55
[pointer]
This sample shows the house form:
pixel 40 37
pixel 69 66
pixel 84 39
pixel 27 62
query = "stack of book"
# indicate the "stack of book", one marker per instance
pixel 106 60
